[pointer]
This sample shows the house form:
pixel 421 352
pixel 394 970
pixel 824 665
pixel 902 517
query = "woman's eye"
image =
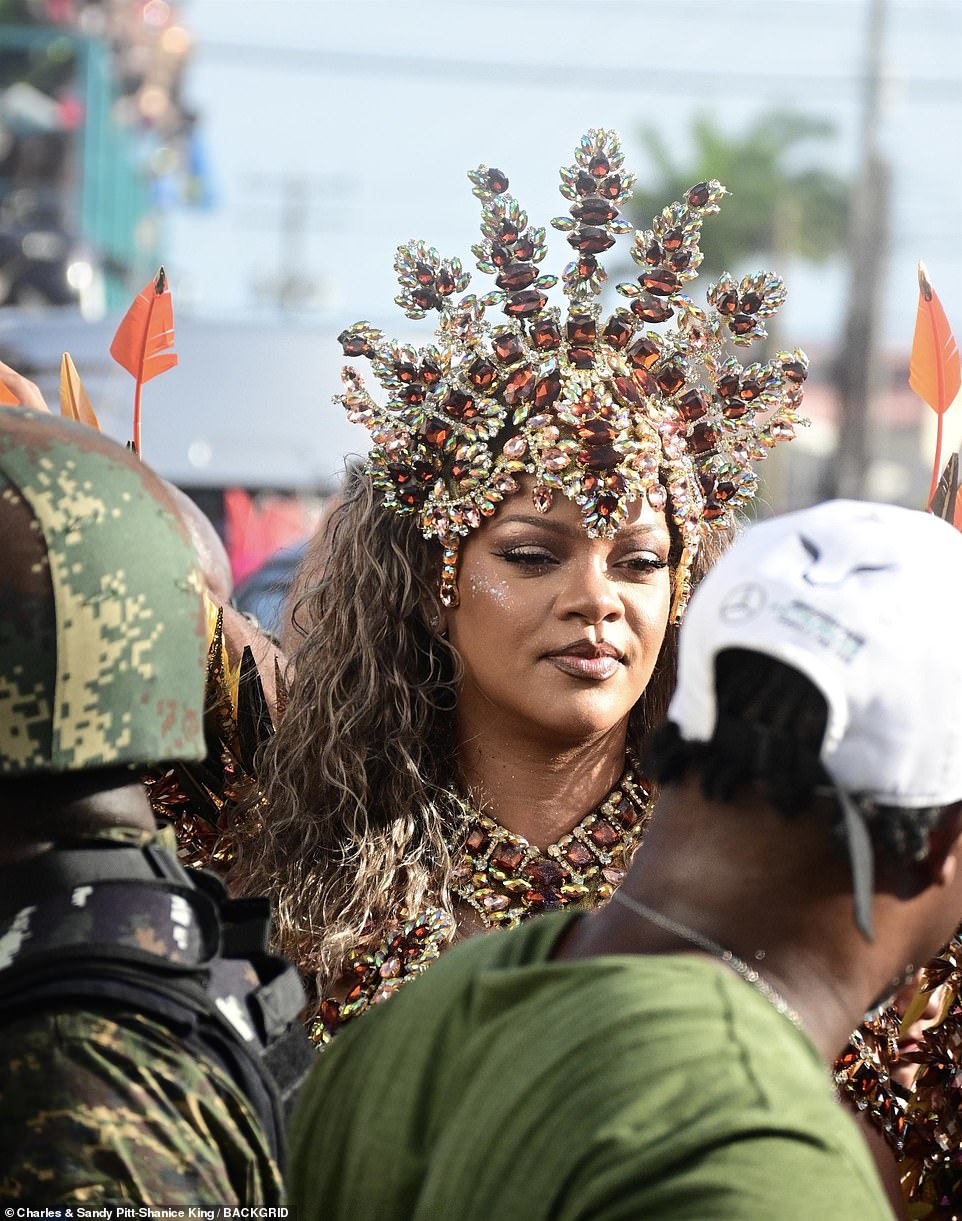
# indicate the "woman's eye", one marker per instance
pixel 530 557
pixel 644 563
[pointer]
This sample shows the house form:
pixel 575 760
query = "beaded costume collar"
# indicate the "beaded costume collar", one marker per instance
pixel 505 879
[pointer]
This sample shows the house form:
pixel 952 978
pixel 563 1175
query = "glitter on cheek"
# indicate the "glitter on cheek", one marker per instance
pixel 497 591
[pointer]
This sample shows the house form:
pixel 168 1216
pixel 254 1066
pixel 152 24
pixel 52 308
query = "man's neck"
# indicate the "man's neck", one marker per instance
pixel 717 871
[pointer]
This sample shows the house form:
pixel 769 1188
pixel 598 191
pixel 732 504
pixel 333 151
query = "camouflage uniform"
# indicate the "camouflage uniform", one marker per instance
pixel 102 663
pixel 106 1107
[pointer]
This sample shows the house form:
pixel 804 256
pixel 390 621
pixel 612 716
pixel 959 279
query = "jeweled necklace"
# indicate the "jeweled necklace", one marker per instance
pixel 505 878
pixel 742 969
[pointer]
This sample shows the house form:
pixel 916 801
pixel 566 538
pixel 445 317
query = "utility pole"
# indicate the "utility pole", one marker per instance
pixel 856 363
pixel 293 286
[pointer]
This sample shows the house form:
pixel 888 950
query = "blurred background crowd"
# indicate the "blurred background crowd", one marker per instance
pixel 273 153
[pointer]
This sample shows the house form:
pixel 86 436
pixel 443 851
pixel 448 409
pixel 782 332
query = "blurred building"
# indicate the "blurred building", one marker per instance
pixel 95 144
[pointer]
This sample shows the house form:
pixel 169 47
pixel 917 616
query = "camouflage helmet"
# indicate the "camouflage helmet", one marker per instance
pixel 102 633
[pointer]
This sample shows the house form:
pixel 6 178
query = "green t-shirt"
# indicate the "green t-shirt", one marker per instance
pixel 504 1085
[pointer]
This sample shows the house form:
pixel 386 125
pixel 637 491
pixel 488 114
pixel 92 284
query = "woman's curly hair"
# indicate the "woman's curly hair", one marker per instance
pixel 358 798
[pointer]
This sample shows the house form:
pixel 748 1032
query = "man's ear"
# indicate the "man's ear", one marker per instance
pixel 944 856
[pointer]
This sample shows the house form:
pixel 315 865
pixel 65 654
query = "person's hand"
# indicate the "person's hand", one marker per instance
pixel 24 392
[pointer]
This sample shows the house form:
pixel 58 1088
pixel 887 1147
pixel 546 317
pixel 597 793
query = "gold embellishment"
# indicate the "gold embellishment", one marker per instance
pixel 374 976
pixel 584 867
pixel 604 411
pixel 506 879
pixel 921 1123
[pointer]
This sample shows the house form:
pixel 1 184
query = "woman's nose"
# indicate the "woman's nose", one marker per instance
pixel 589 593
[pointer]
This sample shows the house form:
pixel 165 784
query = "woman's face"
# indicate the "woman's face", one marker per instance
pixel 558 632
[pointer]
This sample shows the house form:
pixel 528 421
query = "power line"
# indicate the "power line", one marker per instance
pixel 615 78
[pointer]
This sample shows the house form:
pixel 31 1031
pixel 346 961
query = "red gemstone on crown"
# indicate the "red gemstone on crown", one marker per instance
pixel 500 255
pixel 519 387
pixel 481 373
pixel 727 302
pixel 728 385
pixel 581 329
pixel 406 372
pixel 599 457
pixel 594 211
pixel 599 165
pixel 659 281
pixel 524 248
pixel 458 405
pixel 596 432
pixel 702 438
pixel 517 275
pixel 751 303
pixel 629 391
pixel 496 181
pixel 586 266
pixel 692 405
pixel 670 379
pixel 588 240
pixel 742 324
pixel 581 358
pixel 506 857
pixel 610 187
pixel 585 184
pixel 795 370
pixel 435 432
pixel 528 301
pixel 353 345
pixel 424 274
pixel 735 409
pixel 413 395
pixel 424 298
pixel 644 352
pixel 749 390
pixel 680 259
pixel 619 330
pixel 508 231
pixel 654 255
pixel 545 334
pixel 673 240
pixel 508 347
pixel 699 195
pixel 650 309
pixel 547 389
pixel 604 834
pixel 444 282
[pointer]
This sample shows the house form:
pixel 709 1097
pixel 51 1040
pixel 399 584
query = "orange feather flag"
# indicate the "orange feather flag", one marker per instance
pixel 144 338
pixel 74 403
pixel 935 371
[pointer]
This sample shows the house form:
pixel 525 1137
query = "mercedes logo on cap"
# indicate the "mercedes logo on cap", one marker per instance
pixel 743 602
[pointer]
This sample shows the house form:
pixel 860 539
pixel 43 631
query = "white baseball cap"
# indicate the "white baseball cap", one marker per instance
pixel 865 600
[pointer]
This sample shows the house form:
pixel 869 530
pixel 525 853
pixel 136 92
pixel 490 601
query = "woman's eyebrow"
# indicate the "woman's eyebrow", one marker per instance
pixel 641 530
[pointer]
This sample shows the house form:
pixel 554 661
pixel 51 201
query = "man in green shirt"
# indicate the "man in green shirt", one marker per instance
pixel 667 1056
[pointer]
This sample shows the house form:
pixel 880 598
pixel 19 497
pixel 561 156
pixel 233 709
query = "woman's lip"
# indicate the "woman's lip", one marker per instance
pixel 597 668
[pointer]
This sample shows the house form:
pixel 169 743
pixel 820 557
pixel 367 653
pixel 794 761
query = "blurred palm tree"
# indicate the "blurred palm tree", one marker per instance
pixel 779 205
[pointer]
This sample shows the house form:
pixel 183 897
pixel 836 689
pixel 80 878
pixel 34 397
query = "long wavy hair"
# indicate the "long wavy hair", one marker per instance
pixel 358 804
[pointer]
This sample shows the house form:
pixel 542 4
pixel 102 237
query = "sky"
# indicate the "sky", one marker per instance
pixel 358 121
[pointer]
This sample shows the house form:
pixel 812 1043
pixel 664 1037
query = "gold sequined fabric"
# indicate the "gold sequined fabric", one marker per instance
pixel 922 1123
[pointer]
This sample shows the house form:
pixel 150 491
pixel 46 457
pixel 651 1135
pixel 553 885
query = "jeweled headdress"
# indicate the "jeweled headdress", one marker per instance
pixel 602 411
